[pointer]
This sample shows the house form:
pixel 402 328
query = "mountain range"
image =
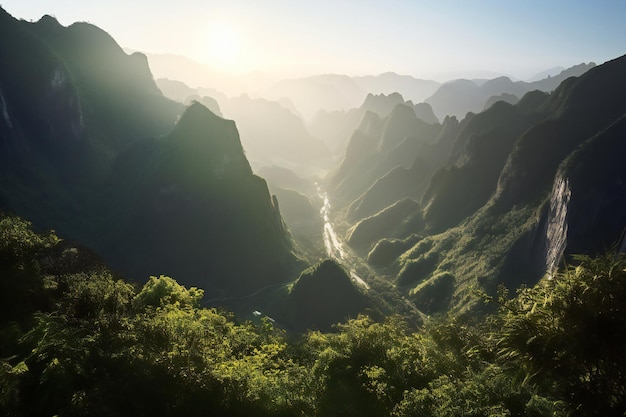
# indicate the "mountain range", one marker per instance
pixel 432 206
pixel 503 196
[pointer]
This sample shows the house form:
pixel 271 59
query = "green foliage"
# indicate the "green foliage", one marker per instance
pixel 434 294
pixel 567 333
pixel 387 251
pixel 93 345
pixel 415 271
pixel 164 290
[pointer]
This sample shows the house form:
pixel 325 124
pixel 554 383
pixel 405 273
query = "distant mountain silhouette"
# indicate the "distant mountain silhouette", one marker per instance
pixel 333 92
pixel 336 127
pixel 199 75
pixel 551 72
pixel 272 134
pixel 506 97
pixel 459 97
pixel 411 88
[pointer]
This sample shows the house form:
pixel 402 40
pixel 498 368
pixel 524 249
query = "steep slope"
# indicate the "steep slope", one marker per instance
pixel 537 211
pixel 71 100
pixel 378 147
pixel 585 210
pixel 91 148
pixel 396 221
pixel 189 206
pixel 271 131
pixel 480 153
pixel 411 182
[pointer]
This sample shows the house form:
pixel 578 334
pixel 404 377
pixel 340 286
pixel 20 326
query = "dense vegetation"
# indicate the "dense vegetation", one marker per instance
pixel 77 340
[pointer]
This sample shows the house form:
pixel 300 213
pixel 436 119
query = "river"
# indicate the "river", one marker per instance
pixel 334 246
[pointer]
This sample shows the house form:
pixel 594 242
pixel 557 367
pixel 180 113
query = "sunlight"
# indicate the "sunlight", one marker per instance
pixel 224 44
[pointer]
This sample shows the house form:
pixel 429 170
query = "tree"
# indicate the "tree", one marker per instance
pixel 568 334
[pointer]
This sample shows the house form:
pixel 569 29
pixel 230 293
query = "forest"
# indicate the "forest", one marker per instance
pixel 80 341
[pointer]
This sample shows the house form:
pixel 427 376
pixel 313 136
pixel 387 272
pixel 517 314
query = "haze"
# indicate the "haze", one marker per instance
pixel 433 40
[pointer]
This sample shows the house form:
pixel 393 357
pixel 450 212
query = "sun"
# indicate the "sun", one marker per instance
pixel 224 44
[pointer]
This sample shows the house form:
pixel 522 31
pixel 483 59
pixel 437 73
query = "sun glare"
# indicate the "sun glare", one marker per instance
pixel 224 46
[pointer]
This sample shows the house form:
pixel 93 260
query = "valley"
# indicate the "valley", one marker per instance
pixel 316 245
pixel 335 247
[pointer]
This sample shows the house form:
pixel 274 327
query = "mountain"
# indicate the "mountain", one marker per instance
pixel 550 72
pixel 337 126
pixel 396 221
pixel 319 296
pixel 211 211
pixel 379 146
pixel 411 88
pixel 517 192
pixel 402 182
pixel 333 92
pixel 71 101
pixel 506 97
pixel 175 90
pixel 457 98
pixel 551 83
pixel 92 149
pixel 271 132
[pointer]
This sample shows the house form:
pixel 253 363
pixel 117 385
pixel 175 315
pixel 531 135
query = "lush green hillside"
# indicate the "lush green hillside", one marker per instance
pixel 76 340
pixel 498 208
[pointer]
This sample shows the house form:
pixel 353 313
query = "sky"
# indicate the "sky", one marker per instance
pixel 427 39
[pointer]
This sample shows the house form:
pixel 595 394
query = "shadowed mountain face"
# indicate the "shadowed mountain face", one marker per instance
pixel 321 295
pixel 216 219
pixel 71 101
pixel 92 149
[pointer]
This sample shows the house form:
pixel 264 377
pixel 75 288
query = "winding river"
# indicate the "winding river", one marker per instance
pixel 334 246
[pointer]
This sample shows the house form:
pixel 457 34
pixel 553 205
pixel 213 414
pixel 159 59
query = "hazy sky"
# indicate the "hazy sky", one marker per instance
pixel 429 39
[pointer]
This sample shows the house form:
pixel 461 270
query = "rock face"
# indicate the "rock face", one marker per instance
pixel 91 148
pixel 597 177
